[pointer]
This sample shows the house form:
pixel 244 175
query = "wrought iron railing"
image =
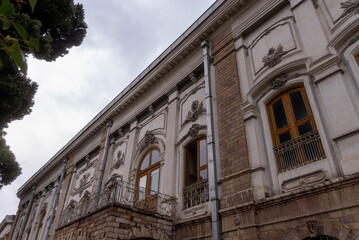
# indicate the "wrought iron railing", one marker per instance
pixel 299 151
pixel 195 193
pixel 124 193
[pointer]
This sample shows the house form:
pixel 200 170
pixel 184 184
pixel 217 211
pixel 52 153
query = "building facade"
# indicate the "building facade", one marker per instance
pixel 246 127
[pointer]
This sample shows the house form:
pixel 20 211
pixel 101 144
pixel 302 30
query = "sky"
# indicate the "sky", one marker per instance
pixel 123 38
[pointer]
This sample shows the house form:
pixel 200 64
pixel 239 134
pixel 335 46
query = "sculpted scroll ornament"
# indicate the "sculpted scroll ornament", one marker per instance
pixel 350 7
pixel 274 56
pixel 197 110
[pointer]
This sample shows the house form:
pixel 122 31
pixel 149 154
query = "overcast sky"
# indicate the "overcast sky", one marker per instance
pixel 123 38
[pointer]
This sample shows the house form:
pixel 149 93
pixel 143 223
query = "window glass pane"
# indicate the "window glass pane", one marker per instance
pixel 298 105
pixel 202 153
pixel 192 162
pixel 154 181
pixel 155 158
pixel 203 174
pixel 142 187
pixel 305 128
pixel 145 162
pixel 279 114
pixel 284 137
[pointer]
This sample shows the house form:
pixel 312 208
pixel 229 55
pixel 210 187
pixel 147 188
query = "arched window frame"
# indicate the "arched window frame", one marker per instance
pixel 147 172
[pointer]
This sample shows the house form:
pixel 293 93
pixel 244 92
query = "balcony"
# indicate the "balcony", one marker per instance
pixel 299 151
pixel 120 193
pixel 195 194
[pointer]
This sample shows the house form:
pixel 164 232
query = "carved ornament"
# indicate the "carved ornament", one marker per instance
pixel 312 225
pixel 351 6
pixel 279 82
pixel 354 39
pixel 148 140
pixel 119 160
pixel 193 77
pixel 274 56
pixel 120 133
pixel 194 130
pixel 151 109
pixel 197 110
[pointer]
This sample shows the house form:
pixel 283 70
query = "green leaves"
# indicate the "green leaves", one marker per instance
pixel 6 8
pixel 33 4
pixel 11 44
pixel 20 30
pixel 15 53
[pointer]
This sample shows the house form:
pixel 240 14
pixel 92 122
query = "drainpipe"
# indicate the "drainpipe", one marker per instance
pixel 56 199
pixel 22 227
pixel 212 174
pixel 103 163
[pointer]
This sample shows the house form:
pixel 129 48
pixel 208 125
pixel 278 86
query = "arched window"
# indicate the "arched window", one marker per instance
pixel 196 173
pixel 294 132
pixel 40 226
pixel 148 176
pixel 321 237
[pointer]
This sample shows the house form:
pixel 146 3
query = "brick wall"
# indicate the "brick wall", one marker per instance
pixel 117 222
pixel 232 136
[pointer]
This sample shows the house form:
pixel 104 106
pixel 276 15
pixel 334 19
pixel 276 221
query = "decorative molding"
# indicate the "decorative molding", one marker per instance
pixel 312 226
pixel 350 6
pixel 197 110
pixel 274 56
pixel 304 181
pixel 354 39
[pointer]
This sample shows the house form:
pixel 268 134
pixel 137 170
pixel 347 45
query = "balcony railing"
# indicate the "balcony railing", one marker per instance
pixel 195 193
pixel 123 193
pixel 299 151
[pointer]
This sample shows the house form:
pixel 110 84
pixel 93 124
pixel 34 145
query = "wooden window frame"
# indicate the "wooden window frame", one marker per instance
pixel 147 171
pixel 289 113
pixel 187 159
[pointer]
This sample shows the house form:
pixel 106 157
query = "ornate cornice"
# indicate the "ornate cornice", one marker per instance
pixel 351 6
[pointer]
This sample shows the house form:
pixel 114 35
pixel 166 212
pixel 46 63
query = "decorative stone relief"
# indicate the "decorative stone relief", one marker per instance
pixel 312 225
pixel 279 82
pixel 194 130
pixel 84 184
pixel 88 165
pixel 351 6
pixel 303 181
pixel 119 161
pixel 274 56
pixel 149 139
pixel 197 110
pixel 237 220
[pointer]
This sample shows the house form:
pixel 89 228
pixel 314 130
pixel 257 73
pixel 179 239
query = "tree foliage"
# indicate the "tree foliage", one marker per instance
pixel 47 32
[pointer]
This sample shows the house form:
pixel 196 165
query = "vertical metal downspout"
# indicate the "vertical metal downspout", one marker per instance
pixel 212 173
pixel 103 163
pixel 56 199
pixel 22 227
